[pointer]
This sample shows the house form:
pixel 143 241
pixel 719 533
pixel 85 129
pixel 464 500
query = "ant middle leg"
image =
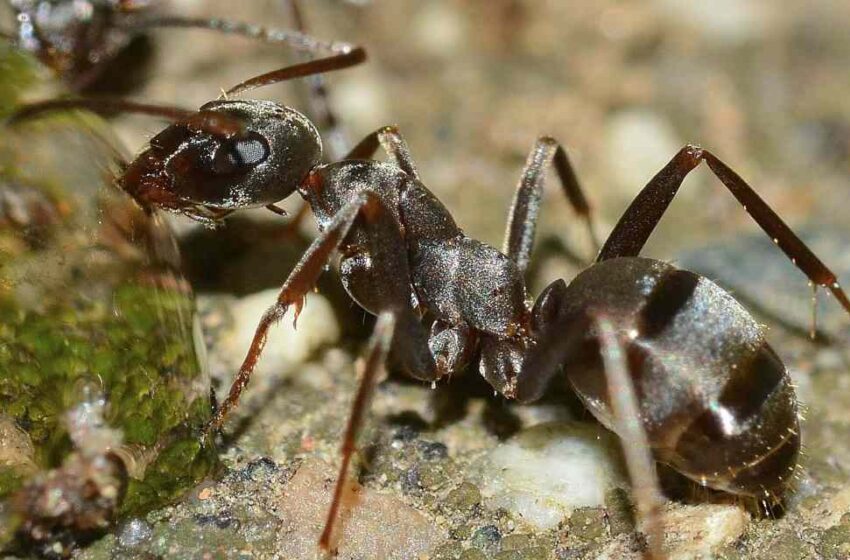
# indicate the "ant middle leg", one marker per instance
pixel 525 209
pixel 637 223
pixel 393 143
pixel 379 346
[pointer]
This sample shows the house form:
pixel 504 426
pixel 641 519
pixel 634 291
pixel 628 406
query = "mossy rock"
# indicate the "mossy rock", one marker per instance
pixel 91 302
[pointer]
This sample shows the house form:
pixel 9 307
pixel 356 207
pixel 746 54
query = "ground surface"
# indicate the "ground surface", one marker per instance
pixel 471 84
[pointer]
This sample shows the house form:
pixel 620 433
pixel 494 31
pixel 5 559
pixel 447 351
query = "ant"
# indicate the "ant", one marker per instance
pixel 101 45
pixel 81 39
pixel 664 357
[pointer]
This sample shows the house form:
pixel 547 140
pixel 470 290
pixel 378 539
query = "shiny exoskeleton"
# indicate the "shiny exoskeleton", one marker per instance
pixel 712 398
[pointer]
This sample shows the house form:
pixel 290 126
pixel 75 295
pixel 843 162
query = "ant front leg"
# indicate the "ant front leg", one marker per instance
pixel 637 223
pixel 300 282
pixel 525 210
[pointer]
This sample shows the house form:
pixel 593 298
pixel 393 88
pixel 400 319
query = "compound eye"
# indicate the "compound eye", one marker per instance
pixel 240 154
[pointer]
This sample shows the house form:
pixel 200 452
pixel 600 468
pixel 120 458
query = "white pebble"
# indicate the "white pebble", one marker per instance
pixel 317 327
pixel 548 470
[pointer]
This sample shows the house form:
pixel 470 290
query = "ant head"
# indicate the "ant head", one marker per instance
pixel 231 154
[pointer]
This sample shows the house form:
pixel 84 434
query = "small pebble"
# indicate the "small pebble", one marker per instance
pixel 587 524
pixel 406 433
pixel 134 533
pixel 464 497
pixel 433 450
pixel 546 471
pixel 486 537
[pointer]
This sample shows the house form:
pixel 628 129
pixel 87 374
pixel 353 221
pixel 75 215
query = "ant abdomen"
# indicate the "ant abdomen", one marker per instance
pixel 231 154
pixel 715 400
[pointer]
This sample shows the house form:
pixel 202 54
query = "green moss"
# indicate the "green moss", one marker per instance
pixel 139 353
pixel 10 480
pixel 180 466
pixel 17 73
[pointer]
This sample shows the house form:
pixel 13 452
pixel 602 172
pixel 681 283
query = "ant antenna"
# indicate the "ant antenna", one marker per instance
pixel 318 66
pixel 105 105
pixel 295 39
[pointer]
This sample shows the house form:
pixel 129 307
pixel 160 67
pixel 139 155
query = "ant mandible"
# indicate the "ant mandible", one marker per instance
pixel 664 357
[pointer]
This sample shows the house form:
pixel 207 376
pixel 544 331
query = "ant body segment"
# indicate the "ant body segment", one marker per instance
pixel 664 357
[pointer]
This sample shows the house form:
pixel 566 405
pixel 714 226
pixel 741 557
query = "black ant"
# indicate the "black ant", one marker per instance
pixel 636 338
pixel 101 45
pixel 81 39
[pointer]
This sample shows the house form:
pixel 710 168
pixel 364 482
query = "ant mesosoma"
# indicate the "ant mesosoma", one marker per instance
pixel 664 357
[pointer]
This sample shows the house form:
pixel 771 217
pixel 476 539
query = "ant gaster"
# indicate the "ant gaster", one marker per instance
pixel 664 357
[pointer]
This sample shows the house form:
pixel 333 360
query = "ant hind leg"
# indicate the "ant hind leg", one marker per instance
pixel 639 220
pixel 525 209
pixel 633 439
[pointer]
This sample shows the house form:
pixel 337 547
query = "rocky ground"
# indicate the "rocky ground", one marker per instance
pixel 453 472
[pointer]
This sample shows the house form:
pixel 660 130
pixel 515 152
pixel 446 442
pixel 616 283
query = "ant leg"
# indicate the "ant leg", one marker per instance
pixel 96 105
pixel 393 143
pixel 559 335
pixel 637 223
pixel 556 335
pixel 374 263
pixel 636 450
pixel 300 282
pixel 320 106
pixel 452 346
pixel 522 219
pixel 379 345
